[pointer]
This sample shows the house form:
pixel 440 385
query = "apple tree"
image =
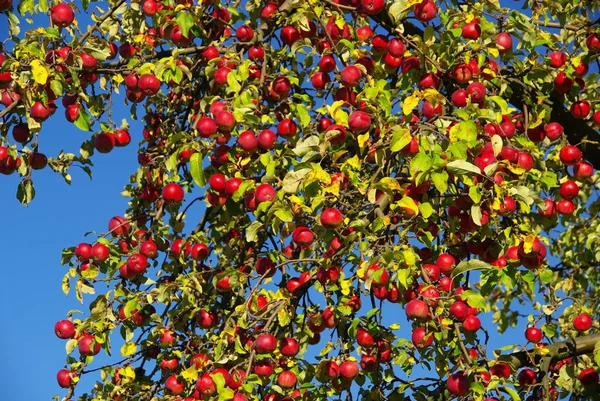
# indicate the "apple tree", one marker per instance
pixel 385 188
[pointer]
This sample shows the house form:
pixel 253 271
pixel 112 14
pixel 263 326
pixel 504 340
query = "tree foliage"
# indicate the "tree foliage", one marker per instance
pixel 376 177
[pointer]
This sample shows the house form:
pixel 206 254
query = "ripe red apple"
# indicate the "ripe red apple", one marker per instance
pixel 206 385
pixel 303 236
pixel 85 345
pixel 174 385
pixel 372 7
pixel 127 50
pixel 266 139
pixel 421 339
pixel 359 122
pixel 65 378
pixel 425 11
pixel 173 193
pixel 289 35
pixel 331 218
pixel 265 193
pixel 320 80
pixel 263 368
pixel 583 170
pixel 507 207
pixel 64 329
pixel 364 338
pixel 137 264
pixel 207 319
pixel 553 131
pixel 459 98
pixel 349 370
pixel 593 42
pixel 40 112
pixel 445 263
pixel 504 42
pixel 570 155
pixel 350 76
pixel 476 91
pixel 286 379
pixel 525 161
pixel 248 141
pixel 458 384
pixel 527 377
pixel 62 15
pixel 417 310
pixel 287 128
pixel 471 324
pixel 557 59
pixel 244 33
pixel 289 347
pixel 569 190
pixel 459 311
pixel 265 343
pixel 100 252
pixel 104 142
pixel 471 30
pixel 562 83
pixel 122 138
pixel 118 226
pixel 364 33
pixel 582 322
pixel 533 334
pixel 588 377
pixel 148 84
pixel 580 109
pixel 232 185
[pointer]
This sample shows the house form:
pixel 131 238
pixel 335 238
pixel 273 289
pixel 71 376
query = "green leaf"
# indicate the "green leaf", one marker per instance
pixel 465 266
pixel 513 393
pixel 464 131
pixel 426 209
pixel 476 214
pixel 420 163
pixel 461 167
pixel 185 22
pixel 440 181
pixel 83 120
pixel 292 180
pixel 474 299
pixel 400 139
pixel 252 231
pixel 284 215
pixel 597 354
pixel 303 116
pixel 196 170
pixel 305 145
pixel 25 191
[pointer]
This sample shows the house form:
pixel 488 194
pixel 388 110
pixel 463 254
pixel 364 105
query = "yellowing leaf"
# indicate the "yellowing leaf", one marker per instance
pixel 190 375
pixel 410 103
pixel 528 243
pixel 434 97
pixel 40 72
pixel 362 140
pixel 389 183
pixel 128 348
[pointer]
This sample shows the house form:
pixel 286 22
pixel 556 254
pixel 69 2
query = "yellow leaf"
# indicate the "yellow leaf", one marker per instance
pixel 190 375
pixel 362 140
pixel 128 348
pixel 40 72
pixel 389 183
pixel 346 285
pixel 434 97
pixel 127 372
pixel 410 103
pixel 319 175
pixel 528 243
pixel 354 162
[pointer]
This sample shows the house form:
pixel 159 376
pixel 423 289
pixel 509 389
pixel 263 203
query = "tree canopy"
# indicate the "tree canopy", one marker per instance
pixel 376 179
